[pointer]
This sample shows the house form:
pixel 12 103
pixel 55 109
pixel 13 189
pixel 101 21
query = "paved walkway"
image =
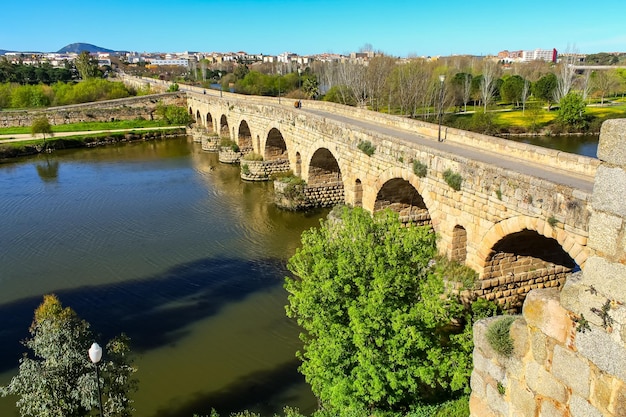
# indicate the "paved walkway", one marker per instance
pixel 580 182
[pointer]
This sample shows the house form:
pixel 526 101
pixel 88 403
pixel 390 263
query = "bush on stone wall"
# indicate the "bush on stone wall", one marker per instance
pixel 499 337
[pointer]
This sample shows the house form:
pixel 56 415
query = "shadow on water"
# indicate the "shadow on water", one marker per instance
pixel 248 393
pixel 154 311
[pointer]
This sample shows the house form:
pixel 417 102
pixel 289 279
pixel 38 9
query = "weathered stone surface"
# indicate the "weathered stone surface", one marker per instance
pixel 603 351
pixel 549 409
pixel 543 310
pixel 572 370
pixel 543 383
pixel 608 278
pixel 612 144
pixel 605 233
pixel 522 399
pixel 579 407
pixel 609 183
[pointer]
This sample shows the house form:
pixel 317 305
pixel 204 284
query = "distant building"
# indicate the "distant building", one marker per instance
pixel 549 55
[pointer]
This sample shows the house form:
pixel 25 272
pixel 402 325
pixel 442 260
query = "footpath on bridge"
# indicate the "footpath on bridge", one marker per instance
pixel 584 183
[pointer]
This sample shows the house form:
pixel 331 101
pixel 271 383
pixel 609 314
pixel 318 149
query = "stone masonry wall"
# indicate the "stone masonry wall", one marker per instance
pixel 130 108
pixel 569 358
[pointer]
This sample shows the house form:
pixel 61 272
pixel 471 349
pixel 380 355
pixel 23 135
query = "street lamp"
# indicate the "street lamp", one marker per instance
pixel 95 354
pixel 299 78
pixel 220 74
pixel 442 78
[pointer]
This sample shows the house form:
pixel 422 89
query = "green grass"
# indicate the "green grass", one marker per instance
pixel 84 126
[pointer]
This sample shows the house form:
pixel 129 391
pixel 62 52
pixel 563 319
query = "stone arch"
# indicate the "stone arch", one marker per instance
pixel 244 138
pixel 275 146
pixel 298 164
pixel 198 116
pixel 224 129
pixel 459 244
pixel 524 257
pixel 209 123
pixel 325 183
pixel 402 197
pixel 358 193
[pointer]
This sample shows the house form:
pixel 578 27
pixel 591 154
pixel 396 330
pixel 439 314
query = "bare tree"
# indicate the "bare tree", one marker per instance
pixel 353 76
pixel 564 78
pixel 585 84
pixel 466 90
pixel 488 83
pixel 377 76
pixel 604 81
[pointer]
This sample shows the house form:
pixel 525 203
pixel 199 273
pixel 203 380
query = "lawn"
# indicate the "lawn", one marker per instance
pixel 85 126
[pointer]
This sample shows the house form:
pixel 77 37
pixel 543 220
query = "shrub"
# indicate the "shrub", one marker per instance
pixel 453 179
pixel 419 169
pixel 228 143
pixel 366 147
pixel 499 337
pixel 252 156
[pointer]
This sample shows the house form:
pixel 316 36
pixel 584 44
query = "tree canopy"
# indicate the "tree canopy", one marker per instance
pixel 380 327
pixel 57 379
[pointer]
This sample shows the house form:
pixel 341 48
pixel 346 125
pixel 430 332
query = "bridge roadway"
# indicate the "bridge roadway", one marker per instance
pixel 581 182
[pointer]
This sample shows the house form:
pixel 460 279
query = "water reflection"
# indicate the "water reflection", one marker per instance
pixel 160 241
pixel 586 145
pixel 48 171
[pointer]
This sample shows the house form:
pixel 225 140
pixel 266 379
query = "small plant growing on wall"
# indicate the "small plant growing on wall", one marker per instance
pixel 419 168
pixel 499 337
pixel 453 179
pixel 252 156
pixel 245 169
pixel 366 147
pixel 499 194
pixel 228 143
pixel 552 221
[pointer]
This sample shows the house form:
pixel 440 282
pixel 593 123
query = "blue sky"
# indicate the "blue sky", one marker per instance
pixel 400 28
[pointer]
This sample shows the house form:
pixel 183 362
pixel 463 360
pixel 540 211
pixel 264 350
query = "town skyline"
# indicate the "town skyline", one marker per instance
pixel 272 27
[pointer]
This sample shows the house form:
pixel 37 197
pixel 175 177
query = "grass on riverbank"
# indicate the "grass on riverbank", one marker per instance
pixel 85 126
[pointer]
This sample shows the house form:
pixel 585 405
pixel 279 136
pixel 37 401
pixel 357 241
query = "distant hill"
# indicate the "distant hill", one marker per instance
pixel 80 47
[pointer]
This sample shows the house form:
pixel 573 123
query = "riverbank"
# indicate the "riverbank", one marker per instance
pixel 13 146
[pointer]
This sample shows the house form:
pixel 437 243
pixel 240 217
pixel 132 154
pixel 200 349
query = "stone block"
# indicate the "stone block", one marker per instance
pixel 480 407
pixel 601 389
pixel 477 384
pixel 601 348
pixel 544 384
pixel 522 399
pixel 580 407
pixel 497 402
pixel 608 278
pixel 604 233
pixel 609 182
pixel 572 370
pixel 618 406
pixel 538 346
pixel 549 409
pixel 612 144
pixel 542 309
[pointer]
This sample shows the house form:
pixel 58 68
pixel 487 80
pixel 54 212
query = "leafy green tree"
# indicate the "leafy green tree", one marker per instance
pixel 57 379
pixel 310 86
pixel 544 88
pixel 381 330
pixel 511 89
pixel 41 125
pixel 174 115
pixel 572 111
pixel 87 66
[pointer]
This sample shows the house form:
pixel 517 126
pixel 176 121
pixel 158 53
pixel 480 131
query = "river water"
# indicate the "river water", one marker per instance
pixel 160 241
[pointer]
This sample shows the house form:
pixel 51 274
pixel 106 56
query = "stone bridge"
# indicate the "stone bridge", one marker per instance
pixel 515 213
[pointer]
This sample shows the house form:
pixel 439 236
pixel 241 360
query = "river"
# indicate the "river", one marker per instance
pixel 162 242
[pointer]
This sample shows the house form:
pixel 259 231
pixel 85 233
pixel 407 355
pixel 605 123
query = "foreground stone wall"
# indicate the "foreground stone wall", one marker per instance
pixel 569 358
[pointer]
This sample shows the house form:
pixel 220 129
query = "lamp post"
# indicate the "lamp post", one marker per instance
pixel 280 74
pixel 95 354
pixel 220 74
pixel 442 78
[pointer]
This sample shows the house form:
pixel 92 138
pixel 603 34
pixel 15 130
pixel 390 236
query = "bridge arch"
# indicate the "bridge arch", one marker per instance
pixel 209 123
pixel 324 179
pixel 224 129
pixel 198 117
pixel 244 138
pixel 399 194
pixel 522 253
pixel 275 146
